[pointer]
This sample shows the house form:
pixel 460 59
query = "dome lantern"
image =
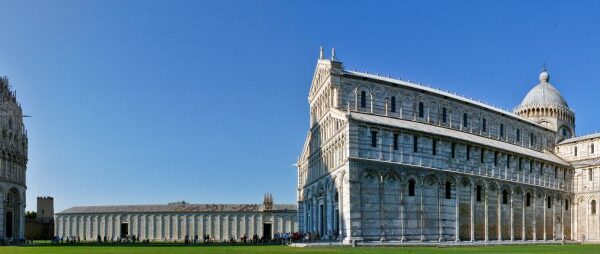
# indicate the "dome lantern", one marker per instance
pixel 544 77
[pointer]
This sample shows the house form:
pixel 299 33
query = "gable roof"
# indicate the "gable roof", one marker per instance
pixel 580 138
pixel 176 208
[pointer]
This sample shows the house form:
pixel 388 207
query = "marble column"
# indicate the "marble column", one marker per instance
pixel 226 234
pixel 234 227
pixel 209 226
pixel 553 219
pixel 402 216
pixel 457 215
pixel 176 221
pixel 486 218
pixel 523 203
pixel 151 227
pixel 160 223
pixel 512 216
pixel 534 214
pixel 562 219
pixel 440 232
pixel 544 207
pixel 201 231
pixel 499 212
pixel 473 193
pixel 422 212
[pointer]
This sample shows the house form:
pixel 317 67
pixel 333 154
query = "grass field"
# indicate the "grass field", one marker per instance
pixel 571 249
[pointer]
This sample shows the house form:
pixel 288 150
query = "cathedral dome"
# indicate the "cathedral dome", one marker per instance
pixel 544 95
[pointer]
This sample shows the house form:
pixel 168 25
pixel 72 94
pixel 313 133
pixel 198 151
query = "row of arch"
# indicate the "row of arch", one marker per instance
pixel 561 113
pixel 410 216
pixel 419 194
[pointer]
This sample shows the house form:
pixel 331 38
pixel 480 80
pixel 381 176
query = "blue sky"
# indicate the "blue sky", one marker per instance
pixel 206 101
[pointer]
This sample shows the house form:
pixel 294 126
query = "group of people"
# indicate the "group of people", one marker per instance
pixel 278 238
pixel 66 239
pixel 311 237
pixel 125 239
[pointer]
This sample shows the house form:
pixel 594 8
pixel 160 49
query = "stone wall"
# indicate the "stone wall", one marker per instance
pixel 174 227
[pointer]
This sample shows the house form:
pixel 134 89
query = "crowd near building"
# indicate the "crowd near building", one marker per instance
pixel 392 160
pixel 178 222
pixel 13 164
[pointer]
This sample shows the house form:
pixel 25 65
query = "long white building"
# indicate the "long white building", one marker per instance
pixel 391 160
pixel 172 222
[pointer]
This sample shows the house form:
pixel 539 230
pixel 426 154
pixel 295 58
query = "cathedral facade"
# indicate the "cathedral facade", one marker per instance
pixel 391 160
pixel 13 164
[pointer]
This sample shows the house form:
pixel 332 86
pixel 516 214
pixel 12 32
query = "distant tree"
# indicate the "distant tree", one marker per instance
pixel 182 202
pixel 30 214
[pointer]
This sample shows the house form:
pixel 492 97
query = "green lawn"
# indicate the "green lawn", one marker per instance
pixel 571 249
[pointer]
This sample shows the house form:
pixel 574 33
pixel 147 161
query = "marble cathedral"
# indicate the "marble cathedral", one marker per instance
pixel 391 160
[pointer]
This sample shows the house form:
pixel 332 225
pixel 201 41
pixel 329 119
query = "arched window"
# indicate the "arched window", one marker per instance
pixel 518 135
pixel 574 151
pixel 415 144
pixel 531 139
pixel 496 158
pixel 530 166
pixel 484 125
pixel 478 193
pixel 566 205
pixel 421 110
pixel 482 156
pixel 465 120
pixel 593 206
pixel 590 175
pixel 444 115
pixel 448 190
pixel 393 104
pixel 411 187
pixel 363 99
pixel 501 130
pixel 549 202
pixel 528 200
pixel 373 138
pixel 504 197
pixel 520 167
pixel 592 148
pixel 337 197
pixel 468 152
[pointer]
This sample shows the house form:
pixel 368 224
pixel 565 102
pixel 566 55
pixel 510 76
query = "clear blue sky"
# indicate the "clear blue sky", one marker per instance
pixel 205 101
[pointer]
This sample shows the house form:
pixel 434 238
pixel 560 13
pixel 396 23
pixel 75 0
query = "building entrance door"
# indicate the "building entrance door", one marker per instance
pixel 321 220
pixel 124 230
pixel 9 225
pixel 267 230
